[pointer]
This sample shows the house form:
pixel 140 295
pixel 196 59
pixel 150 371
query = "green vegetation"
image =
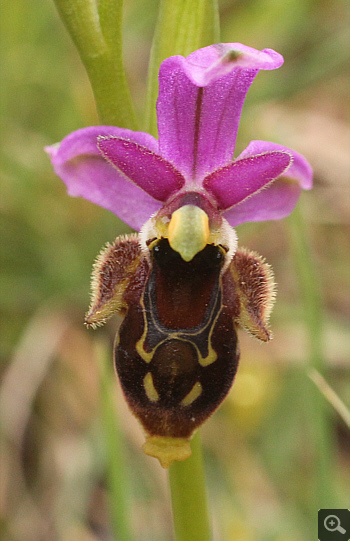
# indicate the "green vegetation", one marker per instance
pixel 276 450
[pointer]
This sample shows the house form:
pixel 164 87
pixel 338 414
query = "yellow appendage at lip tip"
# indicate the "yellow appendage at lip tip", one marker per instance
pixel 167 449
pixel 188 231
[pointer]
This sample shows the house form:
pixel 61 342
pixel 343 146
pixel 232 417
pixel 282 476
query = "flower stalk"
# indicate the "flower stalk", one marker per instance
pixel 188 496
pixel 97 34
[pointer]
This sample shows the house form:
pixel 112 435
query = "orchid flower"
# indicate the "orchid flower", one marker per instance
pixel 182 284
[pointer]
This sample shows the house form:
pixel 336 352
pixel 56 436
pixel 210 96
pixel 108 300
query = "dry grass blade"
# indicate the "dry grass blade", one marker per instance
pixel 331 396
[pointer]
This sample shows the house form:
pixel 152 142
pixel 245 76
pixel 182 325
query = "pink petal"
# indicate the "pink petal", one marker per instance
pixel 148 170
pixel 200 102
pixel 299 170
pixel 78 162
pixel 279 198
pixel 243 178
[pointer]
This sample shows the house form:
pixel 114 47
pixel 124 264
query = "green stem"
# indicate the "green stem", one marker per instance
pixel 188 496
pixel 182 27
pixel 317 407
pixel 97 34
pixel 117 478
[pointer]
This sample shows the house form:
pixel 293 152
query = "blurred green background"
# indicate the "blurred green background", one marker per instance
pixel 259 450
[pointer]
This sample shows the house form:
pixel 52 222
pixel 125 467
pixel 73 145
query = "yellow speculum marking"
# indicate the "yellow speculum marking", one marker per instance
pixel 148 356
pixel 151 391
pixel 209 359
pixel 194 393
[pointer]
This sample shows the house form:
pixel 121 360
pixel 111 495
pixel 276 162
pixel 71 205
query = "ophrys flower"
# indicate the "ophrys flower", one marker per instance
pixel 182 284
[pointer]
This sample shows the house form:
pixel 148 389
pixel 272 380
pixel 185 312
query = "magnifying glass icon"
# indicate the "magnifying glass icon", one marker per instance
pixel 332 524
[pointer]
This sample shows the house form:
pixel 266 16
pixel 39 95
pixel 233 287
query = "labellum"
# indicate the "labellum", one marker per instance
pixel 183 289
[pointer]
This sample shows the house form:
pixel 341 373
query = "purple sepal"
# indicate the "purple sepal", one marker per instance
pixel 299 170
pixel 79 163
